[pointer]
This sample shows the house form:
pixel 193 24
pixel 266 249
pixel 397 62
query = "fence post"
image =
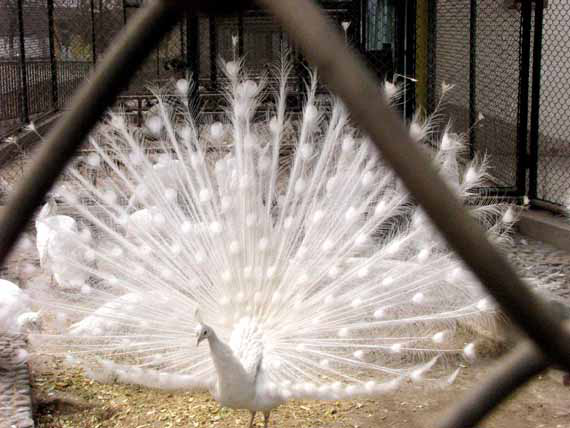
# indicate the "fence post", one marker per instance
pixel 431 55
pixel 356 24
pixel 93 38
pixel 410 56
pixel 472 76
pixel 363 16
pixel 24 112
pixel 240 34
pixel 124 12
pixel 193 50
pixel 52 60
pixel 535 102
pixel 524 82
pixel 213 51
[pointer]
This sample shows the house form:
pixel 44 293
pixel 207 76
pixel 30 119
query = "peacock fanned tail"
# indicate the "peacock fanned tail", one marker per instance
pixel 290 225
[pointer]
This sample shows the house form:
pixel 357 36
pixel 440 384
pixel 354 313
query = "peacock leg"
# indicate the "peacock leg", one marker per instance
pixel 251 420
pixel 266 419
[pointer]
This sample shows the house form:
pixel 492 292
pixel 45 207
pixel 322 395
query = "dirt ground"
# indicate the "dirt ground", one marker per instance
pixel 64 398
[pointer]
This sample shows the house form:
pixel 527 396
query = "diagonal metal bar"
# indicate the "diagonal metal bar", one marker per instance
pixel 524 362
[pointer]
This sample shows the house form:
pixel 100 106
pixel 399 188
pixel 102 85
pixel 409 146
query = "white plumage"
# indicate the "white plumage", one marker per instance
pixel 15 310
pixel 60 254
pixel 318 280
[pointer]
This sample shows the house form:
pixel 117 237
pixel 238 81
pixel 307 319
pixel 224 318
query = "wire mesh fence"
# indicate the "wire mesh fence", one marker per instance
pixel 476 77
pixel 553 179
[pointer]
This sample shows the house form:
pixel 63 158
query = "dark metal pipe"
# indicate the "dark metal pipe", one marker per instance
pixel 524 362
pixel 346 75
pixel 472 76
pixel 213 50
pixel 240 34
pixel 524 78
pixel 24 110
pixel 93 37
pixel 53 66
pixel 128 52
pixel 431 55
pixel 535 107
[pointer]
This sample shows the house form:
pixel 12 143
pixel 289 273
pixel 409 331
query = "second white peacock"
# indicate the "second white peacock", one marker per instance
pixel 284 242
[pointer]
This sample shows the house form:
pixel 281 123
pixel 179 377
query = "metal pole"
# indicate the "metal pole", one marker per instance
pixel 193 50
pixel 182 45
pixel 24 112
pixel 240 34
pixel 213 50
pixel 410 64
pixel 124 12
pixel 472 76
pixel 93 38
pixel 52 60
pixel 431 55
pixel 535 107
pixel 524 82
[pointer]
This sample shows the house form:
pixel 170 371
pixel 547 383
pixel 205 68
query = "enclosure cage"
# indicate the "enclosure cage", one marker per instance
pixel 507 61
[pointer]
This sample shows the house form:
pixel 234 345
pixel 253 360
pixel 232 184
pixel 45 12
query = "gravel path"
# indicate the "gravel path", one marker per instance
pixel 544 265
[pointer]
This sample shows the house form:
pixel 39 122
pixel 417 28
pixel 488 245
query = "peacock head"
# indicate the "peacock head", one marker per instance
pixel 202 330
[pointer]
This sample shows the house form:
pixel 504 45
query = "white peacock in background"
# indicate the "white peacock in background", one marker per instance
pixel 316 278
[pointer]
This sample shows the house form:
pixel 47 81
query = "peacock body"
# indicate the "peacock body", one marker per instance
pixel 317 277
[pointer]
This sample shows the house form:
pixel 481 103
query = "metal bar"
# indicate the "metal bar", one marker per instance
pixel 193 47
pixel 346 75
pixel 24 111
pixel 431 55
pixel 240 34
pixel 472 77
pixel 127 52
pixel 362 36
pixel 512 372
pixel 93 38
pixel 410 56
pixel 53 65
pixel 355 25
pixel 524 82
pixel 124 12
pixel 139 112
pixel 182 44
pixel 535 106
pixel 213 50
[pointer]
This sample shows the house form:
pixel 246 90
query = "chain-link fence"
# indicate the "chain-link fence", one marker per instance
pixel 553 178
pixel 475 78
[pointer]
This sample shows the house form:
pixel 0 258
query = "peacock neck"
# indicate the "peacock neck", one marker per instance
pixel 221 353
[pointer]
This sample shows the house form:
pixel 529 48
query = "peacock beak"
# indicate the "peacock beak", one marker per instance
pixel 199 339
